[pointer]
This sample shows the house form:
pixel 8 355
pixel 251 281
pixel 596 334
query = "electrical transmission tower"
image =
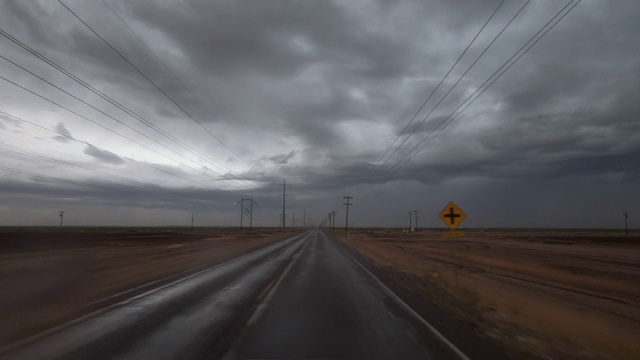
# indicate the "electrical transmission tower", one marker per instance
pixel 246 210
pixel 346 224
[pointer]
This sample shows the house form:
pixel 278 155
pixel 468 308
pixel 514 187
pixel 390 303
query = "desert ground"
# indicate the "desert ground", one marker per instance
pixel 50 276
pixel 540 294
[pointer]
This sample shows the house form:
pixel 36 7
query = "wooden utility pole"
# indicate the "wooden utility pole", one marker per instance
pixel 626 229
pixel 346 224
pixel 410 219
pixel 284 194
pixel 333 224
pixel 241 203
pixel 251 214
pixel 61 216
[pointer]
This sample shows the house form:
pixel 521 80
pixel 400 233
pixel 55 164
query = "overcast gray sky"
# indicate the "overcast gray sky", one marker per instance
pixel 144 112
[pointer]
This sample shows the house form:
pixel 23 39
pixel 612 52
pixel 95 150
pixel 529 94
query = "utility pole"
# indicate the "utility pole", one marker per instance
pixel 410 224
pixel 241 203
pixel 626 229
pixel 284 194
pixel 415 227
pixel 61 216
pixel 346 223
pixel 333 225
pixel 251 214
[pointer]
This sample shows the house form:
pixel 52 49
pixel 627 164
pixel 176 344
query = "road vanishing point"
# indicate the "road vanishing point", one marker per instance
pixel 306 297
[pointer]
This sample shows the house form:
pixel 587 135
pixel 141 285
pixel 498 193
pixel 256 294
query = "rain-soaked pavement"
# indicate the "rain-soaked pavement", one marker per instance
pixel 302 298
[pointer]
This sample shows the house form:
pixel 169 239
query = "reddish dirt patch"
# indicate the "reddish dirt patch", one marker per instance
pixel 540 295
pixel 48 277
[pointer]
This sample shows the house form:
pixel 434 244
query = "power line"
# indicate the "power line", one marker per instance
pixel 137 191
pixel 52 178
pixel 111 117
pixel 35 155
pixel 104 127
pixel 157 87
pixel 129 159
pixel 506 66
pixel 434 90
pixel 459 79
pixel 38 156
pixel 147 47
pixel 108 99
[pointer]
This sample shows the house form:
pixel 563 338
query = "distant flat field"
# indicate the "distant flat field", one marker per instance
pixel 49 275
pixel 539 293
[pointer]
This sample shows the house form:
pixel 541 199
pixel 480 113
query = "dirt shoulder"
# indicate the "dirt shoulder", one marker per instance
pixel 538 295
pixel 48 277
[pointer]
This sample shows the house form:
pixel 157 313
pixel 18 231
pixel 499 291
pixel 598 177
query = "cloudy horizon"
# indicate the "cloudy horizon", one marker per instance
pixel 142 113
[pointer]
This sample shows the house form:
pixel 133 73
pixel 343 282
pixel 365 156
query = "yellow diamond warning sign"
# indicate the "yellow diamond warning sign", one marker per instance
pixel 452 215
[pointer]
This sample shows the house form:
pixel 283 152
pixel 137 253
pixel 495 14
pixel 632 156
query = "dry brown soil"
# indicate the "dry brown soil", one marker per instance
pixel 540 295
pixel 48 277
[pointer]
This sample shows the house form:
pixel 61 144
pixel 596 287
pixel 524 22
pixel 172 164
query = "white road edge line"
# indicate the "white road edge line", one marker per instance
pixel 413 312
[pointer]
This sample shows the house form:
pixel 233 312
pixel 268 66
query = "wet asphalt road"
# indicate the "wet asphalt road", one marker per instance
pixel 302 298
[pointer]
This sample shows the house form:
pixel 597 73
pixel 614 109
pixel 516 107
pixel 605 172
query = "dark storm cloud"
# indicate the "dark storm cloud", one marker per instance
pixel 315 92
pixel 268 39
pixel 25 18
pixel 241 49
pixel 283 158
pixel 62 130
pixel 103 156
pixel 107 193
